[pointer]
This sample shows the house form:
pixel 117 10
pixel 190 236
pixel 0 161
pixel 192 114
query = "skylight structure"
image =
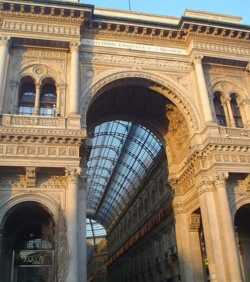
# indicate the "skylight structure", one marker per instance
pixel 121 155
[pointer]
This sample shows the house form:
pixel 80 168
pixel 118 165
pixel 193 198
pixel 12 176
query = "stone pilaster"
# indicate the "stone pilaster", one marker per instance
pixel 72 222
pixel 183 241
pixel 227 229
pixel 203 93
pixel 82 245
pixel 4 49
pixel 194 227
pixel 74 78
pixel 211 231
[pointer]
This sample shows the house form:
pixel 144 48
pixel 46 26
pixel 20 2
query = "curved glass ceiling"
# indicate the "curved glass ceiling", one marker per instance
pixel 94 229
pixel 122 152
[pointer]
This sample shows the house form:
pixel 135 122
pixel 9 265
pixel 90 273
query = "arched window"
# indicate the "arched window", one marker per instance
pixel 235 110
pixel 219 110
pixel 48 98
pixel 26 96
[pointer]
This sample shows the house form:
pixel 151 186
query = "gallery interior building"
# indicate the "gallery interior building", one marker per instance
pixel 124 145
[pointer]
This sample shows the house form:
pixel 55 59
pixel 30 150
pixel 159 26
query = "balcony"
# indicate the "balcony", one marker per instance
pixel 10 120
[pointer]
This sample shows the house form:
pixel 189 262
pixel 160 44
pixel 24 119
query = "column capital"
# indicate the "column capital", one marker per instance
pixel 4 40
pixel 197 59
pixel 73 174
pixel 247 69
pixel 205 186
pixel 74 45
pixel 220 178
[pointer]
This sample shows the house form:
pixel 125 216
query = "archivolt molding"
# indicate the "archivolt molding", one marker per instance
pixel 45 200
pixel 167 88
pixel 40 71
pixel 226 86
pixel 238 203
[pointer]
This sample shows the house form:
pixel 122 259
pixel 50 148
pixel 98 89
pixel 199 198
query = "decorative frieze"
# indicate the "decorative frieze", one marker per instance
pixel 221 48
pixel 19 120
pixel 135 61
pixel 40 27
pixel 39 151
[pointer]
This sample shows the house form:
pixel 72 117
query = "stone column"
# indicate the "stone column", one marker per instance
pixel 227 235
pixel 37 100
pixel 224 103
pixel 183 242
pixel 82 240
pixel 211 232
pixel 1 252
pixel 194 226
pixel 74 78
pixel 230 113
pixel 203 97
pixel 72 222
pixel 4 49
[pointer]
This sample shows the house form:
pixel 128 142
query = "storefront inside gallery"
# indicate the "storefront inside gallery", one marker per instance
pixel 124 145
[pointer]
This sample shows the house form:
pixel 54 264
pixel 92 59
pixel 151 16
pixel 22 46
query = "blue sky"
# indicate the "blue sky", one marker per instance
pixel 177 7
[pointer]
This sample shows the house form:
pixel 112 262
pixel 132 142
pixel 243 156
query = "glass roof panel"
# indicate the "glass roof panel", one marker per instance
pixel 122 153
pixel 94 229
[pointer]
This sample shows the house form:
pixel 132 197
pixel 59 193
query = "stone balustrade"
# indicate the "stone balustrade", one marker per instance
pixel 31 121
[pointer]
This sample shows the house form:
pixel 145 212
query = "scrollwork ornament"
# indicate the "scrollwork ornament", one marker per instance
pixel 73 174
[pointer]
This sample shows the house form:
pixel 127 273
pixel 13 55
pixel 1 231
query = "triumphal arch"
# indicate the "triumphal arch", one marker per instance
pixel 134 122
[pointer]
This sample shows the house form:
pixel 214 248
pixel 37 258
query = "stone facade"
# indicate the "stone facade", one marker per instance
pixel 187 221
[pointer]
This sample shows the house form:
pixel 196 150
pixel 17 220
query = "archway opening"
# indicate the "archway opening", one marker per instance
pixel 132 128
pixel 27 252
pixel 242 225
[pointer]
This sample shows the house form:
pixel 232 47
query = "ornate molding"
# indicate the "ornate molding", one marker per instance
pixel 195 222
pixel 221 48
pixel 135 61
pixel 73 174
pixel 30 176
pixel 18 120
pixel 46 28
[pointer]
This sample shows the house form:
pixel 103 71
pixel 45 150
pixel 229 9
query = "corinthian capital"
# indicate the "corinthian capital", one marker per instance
pixel 205 186
pixel 74 45
pixel 197 58
pixel 73 174
pixel 220 178
pixel 4 40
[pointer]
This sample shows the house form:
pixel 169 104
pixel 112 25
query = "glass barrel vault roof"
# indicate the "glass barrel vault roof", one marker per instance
pixel 121 154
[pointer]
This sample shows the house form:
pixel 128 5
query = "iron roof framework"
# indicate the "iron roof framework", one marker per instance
pixel 122 153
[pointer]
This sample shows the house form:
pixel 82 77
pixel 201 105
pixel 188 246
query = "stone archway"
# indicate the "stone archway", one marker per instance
pixel 242 226
pixel 24 251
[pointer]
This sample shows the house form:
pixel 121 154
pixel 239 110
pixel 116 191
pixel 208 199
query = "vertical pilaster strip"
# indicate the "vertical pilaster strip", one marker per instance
pixel 72 221
pixel 211 231
pixel 4 49
pixel 183 241
pixel 194 226
pixel 74 78
pixel 1 252
pixel 82 240
pixel 204 99
pixel 228 236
